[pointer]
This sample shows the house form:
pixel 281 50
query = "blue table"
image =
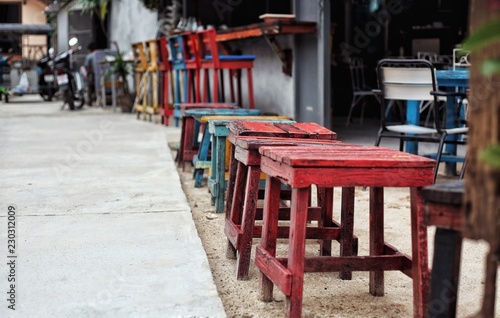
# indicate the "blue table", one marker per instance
pixel 449 80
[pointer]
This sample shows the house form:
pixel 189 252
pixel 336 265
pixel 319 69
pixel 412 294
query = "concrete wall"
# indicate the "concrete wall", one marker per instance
pixel 62 30
pixel 131 22
pixel 312 64
pixel 273 90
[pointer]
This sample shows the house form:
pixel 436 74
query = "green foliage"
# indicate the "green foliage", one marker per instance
pixel 153 5
pixel 120 66
pixel 484 35
pixel 491 155
pixel 3 90
pixel 95 6
pixel 120 69
pixel 491 67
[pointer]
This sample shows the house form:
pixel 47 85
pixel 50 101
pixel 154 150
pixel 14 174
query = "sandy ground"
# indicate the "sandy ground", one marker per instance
pixel 325 295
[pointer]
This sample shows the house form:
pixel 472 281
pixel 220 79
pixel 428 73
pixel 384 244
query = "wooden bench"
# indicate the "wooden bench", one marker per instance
pixel 374 167
pixel 240 227
pixel 217 127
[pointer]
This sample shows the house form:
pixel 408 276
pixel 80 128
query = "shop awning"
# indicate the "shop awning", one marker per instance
pixel 20 29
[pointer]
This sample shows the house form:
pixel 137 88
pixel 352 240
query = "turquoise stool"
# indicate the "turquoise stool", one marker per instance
pixel 201 161
pixel 217 127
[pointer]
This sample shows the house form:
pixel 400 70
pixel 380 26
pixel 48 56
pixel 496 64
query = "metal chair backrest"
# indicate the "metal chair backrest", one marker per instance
pixel 406 79
pixel 357 70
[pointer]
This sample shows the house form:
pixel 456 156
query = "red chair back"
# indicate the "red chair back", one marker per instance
pixel 163 56
pixel 208 46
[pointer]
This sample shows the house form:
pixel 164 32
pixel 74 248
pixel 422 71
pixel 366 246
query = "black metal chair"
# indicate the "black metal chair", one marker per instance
pixel 359 88
pixel 400 79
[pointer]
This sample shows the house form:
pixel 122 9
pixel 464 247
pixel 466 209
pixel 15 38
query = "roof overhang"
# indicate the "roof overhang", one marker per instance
pixel 20 29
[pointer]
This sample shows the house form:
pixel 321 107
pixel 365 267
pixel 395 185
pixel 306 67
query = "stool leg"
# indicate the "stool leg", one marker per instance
pixel 296 250
pixel 233 167
pixel 347 228
pixel 215 88
pixel 231 87
pixel 250 88
pixel 222 88
pixel 249 208
pixel 240 94
pixel 220 176
pixel 189 134
pixel 377 238
pixel 202 156
pixel 488 308
pixel 420 267
pixel 180 153
pixel 270 231
pixel 234 212
pixel 445 273
pixel 326 219
pixel 214 171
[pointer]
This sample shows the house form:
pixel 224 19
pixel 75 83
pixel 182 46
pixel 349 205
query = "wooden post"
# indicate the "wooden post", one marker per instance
pixel 482 195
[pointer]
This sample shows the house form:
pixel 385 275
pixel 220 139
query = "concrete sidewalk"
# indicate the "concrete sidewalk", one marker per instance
pixel 103 228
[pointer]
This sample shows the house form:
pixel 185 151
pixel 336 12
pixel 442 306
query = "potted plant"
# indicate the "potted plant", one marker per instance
pixel 120 68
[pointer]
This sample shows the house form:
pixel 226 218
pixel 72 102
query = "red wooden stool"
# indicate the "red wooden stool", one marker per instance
pixel 300 167
pixel 188 146
pixel 295 130
pixel 240 225
pixel 210 59
pixel 165 71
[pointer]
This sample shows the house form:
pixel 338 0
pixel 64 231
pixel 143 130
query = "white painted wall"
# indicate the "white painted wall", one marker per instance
pixel 273 90
pixel 131 22
pixel 62 30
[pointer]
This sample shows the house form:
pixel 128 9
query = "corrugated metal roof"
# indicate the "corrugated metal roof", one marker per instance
pixel 18 28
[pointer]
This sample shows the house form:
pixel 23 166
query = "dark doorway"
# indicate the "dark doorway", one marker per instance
pixel 10 13
pixel 375 29
pixel 234 12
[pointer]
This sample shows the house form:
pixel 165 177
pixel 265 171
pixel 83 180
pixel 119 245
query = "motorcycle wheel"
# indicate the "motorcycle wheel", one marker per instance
pixel 79 102
pixel 70 99
pixel 47 96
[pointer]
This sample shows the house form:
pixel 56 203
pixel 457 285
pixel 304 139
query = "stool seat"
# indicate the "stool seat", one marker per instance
pixel 301 167
pixel 295 130
pixel 445 193
pixel 233 57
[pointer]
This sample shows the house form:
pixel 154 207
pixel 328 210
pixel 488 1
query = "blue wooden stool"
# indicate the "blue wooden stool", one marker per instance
pixel 201 160
pixel 220 156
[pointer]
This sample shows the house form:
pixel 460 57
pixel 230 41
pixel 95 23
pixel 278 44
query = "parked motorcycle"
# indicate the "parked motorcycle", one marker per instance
pixel 69 80
pixel 47 86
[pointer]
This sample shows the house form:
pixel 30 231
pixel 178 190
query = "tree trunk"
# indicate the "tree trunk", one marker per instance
pixel 482 195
